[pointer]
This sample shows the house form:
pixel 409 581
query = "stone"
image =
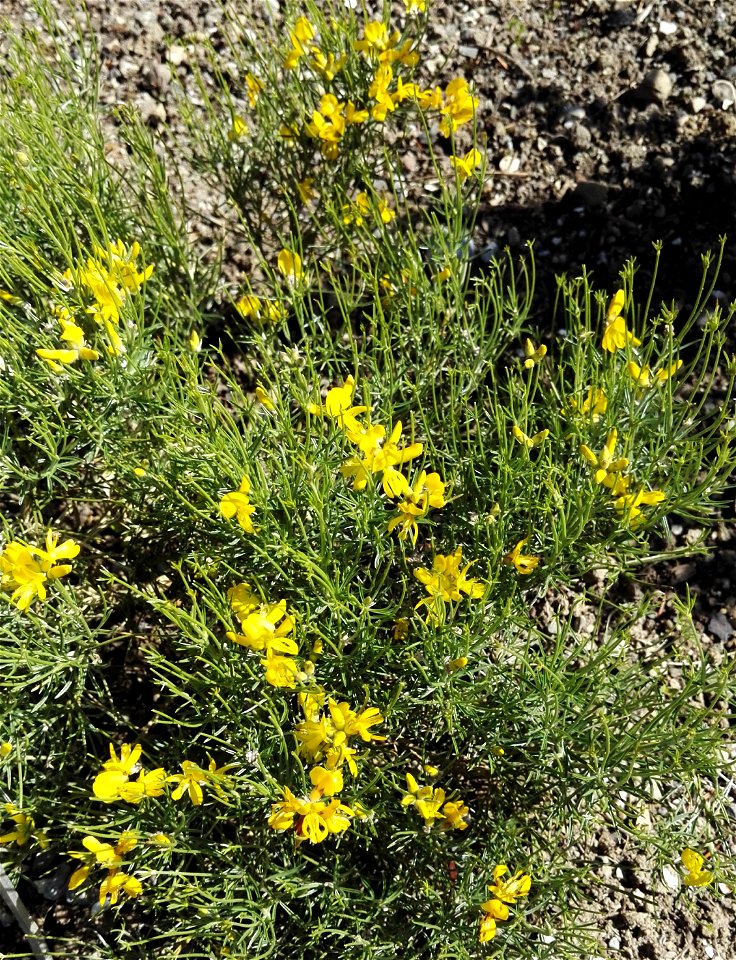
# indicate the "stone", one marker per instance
pixel 656 87
pixel 590 193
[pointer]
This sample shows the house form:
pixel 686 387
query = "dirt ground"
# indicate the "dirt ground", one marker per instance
pixel 609 125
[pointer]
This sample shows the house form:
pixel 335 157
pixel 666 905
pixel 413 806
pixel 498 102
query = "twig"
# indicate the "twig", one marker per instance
pixel 25 921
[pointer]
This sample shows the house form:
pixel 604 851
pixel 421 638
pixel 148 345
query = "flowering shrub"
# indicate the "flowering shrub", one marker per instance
pixel 318 677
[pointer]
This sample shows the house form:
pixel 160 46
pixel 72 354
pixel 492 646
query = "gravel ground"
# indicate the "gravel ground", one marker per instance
pixel 609 125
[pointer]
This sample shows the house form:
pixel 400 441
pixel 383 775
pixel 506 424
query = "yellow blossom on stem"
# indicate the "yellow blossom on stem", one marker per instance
pixel 338 406
pixel 696 876
pixel 380 456
pixel 458 106
pixel 466 166
pixel 190 781
pixel 615 335
pixel 281 671
pixel 446 582
pixel 594 405
pixel 290 266
pixel 493 910
pixel 524 563
pixel 427 492
pixel 254 87
pixel 236 504
pixel 267 629
pixel 24 826
pixel 527 441
pixel 72 334
pixel 117 883
pixel 25 570
pixel 606 467
pixel 511 889
pixel 300 36
pixel 238 129
pixel 263 398
pixel 533 355
pixel 628 505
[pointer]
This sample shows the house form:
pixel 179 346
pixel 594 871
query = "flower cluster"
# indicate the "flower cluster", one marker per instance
pixel 24 828
pixel 108 279
pixel 609 471
pixel 71 334
pixel 357 212
pixel 266 628
pixel 115 781
pixel 431 805
pixel 323 738
pixel 505 891
pixel 110 858
pixel 445 583
pixel 25 570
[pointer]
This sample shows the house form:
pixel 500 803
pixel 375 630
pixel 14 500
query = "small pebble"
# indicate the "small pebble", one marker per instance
pixel 671 877
pixel 698 103
pixel 509 164
pixel 708 951
pixel 656 87
pixel 614 943
pixel 667 27
pixel 724 92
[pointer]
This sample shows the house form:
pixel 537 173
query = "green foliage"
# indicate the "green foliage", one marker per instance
pixel 524 694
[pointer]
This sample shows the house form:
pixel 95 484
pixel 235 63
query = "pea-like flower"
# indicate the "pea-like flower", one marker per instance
pixel 616 336
pixel 237 504
pixel 523 563
pixel 25 570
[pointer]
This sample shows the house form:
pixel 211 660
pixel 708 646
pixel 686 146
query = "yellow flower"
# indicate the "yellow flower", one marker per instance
pixel 642 376
pixel 663 375
pixel 24 825
pixel 327 65
pixel 242 600
pixel 616 336
pixel 249 307
pixel 254 87
pixel 459 663
pixel 529 442
pixel 532 355
pixel 338 406
pixel 5 749
pixel 194 342
pixel 524 563
pixel 493 910
pixel 290 265
pixel 446 582
pixel 428 801
pixel 236 504
pixel 267 629
pixel 511 889
pixel 415 6
pixel 238 129
pixel 114 781
pixel 400 631
pixel 263 398
pixel 454 813
pixel 281 671
pixel 300 36
pixel 315 818
pixel 351 724
pixel 595 404
pixel 628 505
pixel 693 863
pixel 77 349
pixel 606 467
pixel 427 492
pixel 379 456
pixel 25 570
pixel 458 106
pixel 466 166
pixel 116 883
pixel 189 781
pixel 149 784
